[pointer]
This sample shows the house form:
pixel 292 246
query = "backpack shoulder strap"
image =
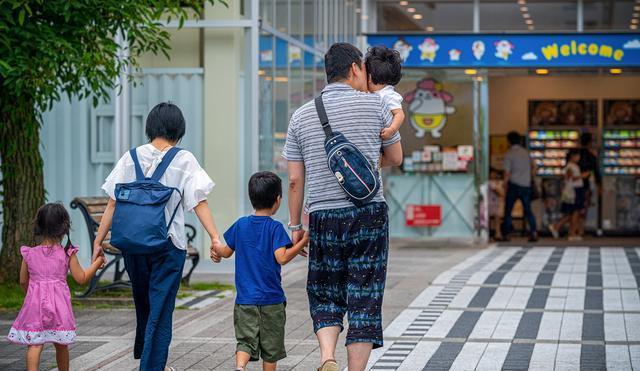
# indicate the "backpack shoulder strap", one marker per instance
pixel 164 164
pixel 324 120
pixel 136 164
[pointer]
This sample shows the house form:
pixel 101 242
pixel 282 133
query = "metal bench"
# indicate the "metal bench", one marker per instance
pixel 92 209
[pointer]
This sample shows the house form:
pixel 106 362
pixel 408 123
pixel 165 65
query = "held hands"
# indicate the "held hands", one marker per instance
pixel 213 253
pixel 301 236
pixel 98 254
pixel 101 261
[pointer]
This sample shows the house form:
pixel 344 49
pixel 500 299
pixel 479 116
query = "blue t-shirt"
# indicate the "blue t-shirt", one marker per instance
pixel 255 239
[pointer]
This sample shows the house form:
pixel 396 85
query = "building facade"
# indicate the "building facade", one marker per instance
pixel 240 72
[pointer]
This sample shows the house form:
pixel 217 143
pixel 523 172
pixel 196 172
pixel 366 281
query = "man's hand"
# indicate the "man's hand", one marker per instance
pixel 98 253
pixel 296 236
pixel 213 254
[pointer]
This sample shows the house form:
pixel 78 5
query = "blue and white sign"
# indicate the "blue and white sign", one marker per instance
pixel 526 50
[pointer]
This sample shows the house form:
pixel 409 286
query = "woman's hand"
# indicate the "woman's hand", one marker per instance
pixel 98 253
pixel 213 254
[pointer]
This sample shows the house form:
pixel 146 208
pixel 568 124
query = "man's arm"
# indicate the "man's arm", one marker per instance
pixel 296 196
pixel 392 155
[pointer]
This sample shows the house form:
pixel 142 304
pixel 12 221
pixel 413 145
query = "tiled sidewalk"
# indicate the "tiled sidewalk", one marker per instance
pixel 540 308
pixel 203 339
pixel 459 308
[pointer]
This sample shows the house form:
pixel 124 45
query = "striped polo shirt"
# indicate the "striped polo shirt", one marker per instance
pixel 360 117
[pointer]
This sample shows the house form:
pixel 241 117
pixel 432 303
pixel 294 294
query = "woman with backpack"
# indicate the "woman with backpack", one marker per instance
pixel 150 188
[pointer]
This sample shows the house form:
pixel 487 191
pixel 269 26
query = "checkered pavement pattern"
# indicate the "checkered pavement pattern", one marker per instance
pixel 523 308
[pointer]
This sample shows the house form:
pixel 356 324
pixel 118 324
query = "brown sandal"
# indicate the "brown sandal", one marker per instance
pixel 329 365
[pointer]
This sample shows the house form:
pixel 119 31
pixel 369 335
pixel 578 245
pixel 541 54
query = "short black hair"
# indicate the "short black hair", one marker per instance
pixel 572 152
pixel 52 222
pixel 514 138
pixel 165 121
pixel 338 61
pixel 384 65
pixel 264 189
pixel 586 139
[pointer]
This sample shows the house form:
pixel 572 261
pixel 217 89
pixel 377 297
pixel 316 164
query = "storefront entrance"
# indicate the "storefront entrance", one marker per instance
pixel 464 93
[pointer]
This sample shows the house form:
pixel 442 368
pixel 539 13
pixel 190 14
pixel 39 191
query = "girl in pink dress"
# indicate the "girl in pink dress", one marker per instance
pixel 46 315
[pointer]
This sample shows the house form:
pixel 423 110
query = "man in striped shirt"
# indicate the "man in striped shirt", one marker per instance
pixel 349 244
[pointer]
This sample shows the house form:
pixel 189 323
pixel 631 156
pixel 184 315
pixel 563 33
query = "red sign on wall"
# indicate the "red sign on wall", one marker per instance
pixel 423 215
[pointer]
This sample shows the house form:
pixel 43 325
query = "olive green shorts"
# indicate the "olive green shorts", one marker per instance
pixel 260 331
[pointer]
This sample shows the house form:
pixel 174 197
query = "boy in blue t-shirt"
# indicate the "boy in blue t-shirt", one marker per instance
pixel 261 245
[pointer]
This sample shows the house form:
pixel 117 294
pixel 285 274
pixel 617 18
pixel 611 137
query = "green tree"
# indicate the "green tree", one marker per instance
pixel 50 48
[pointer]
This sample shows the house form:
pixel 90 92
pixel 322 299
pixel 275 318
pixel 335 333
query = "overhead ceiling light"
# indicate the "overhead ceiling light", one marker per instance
pixel 633 27
pixel 635 15
pixel 411 10
pixel 404 3
pixel 524 9
pixel 542 71
pixel 522 2
pixel 634 21
pixel 615 71
pixel 417 16
pixel 531 28
pixel 365 17
pixel 636 8
pixel 526 15
pixel 429 28
pixel 529 21
pixel 470 72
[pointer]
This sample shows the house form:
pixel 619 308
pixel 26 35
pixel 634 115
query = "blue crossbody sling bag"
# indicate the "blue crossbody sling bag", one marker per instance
pixel 139 224
pixel 353 171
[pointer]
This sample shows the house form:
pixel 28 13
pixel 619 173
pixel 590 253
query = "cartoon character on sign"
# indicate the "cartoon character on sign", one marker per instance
pixel 478 49
pixel 454 55
pixel 429 106
pixel 504 48
pixel 428 48
pixel 403 48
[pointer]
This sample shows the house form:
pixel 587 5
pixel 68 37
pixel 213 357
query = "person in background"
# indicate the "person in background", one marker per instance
pixel 496 199
pixel 588 167
pixel 572 198
pixel 517 181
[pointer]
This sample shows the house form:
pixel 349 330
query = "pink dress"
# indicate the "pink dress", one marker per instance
pixel 46 315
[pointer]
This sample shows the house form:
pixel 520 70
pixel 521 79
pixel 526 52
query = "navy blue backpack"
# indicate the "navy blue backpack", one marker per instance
pixel 139 224
pixel 353 171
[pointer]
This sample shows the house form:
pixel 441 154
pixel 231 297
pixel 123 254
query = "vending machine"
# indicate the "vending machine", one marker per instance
pixel 555 127
pixel 621 167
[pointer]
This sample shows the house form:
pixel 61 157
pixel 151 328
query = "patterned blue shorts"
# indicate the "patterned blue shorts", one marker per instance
pixel 347 270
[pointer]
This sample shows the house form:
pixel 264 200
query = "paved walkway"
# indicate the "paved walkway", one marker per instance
pixel 458 308
pixel 541 308
pixel 204 338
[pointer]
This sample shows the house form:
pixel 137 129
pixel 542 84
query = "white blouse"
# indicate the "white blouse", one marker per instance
pixel 183 173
